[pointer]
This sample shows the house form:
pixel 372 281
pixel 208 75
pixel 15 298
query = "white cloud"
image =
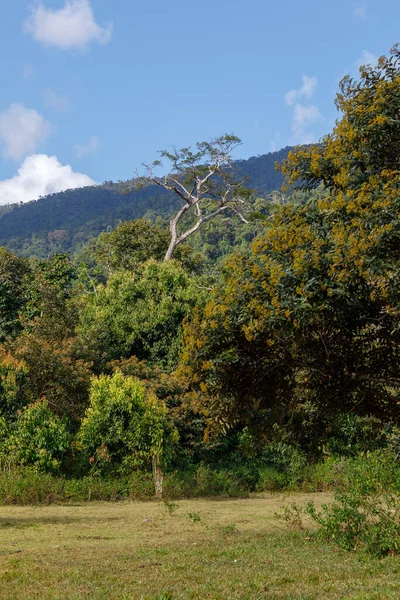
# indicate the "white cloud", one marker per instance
pixel 87 149
pixel 303 118
pixel 308 87
pixel 72 26
pixel 307 90
pixel 290 97
pixel 360 11
pixel 56 102
pixel 366 58
pixel 40 175
pixel 22 130
pixel 276 143
pixel 28 71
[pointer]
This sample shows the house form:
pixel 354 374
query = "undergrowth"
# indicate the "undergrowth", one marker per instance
pixel 22 485
pixel 365 514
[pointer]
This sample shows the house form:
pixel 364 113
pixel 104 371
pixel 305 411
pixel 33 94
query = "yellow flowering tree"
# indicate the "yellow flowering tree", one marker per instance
pixel 307 325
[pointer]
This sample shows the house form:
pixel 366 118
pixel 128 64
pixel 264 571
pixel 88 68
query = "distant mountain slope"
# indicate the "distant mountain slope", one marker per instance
pixel 64 221
pixel 261 171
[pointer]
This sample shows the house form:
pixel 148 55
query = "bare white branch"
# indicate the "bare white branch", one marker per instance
pixel 200 179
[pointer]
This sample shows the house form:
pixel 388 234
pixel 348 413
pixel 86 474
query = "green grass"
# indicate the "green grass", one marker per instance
pixel 197 549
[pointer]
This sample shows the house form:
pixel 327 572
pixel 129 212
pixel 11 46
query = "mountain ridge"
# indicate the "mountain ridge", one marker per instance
pixel 66 220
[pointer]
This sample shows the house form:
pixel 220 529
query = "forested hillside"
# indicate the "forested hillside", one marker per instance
pixel 63 222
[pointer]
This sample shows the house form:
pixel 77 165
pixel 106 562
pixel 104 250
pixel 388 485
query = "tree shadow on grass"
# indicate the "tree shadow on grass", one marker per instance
pixel 25 522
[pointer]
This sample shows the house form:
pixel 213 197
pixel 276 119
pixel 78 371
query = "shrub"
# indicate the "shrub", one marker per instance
pixel 23 485
pixel 206 481
pixel 287 461
pixel 211 482
pixel 366 512
pixel 271 479
pixel 136 487
pixel 39 439
pixel 353 434
pixel 326 475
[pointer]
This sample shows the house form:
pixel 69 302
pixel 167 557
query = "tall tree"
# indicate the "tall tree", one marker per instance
pixel 307 326
pixel 204 180
pixel 47 346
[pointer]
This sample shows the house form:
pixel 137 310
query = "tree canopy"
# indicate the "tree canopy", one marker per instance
pixel 282 323
pixel 308 324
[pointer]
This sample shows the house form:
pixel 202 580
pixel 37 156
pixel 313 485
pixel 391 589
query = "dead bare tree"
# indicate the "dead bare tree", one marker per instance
pixel 204 180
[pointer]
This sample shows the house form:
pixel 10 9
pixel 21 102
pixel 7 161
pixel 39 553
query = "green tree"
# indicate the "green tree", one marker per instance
pixel 132 243
pixel 13 381
pixel 47 298
pixel 138 314
pixel 14 273
pixel 47 347
pixel 173 392
pixel 39 439
pixel 55 372
pixel 124 427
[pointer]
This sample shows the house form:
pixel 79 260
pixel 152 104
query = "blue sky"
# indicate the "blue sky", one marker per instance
pixel 93 88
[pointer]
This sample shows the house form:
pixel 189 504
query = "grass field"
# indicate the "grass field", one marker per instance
pixel 218 549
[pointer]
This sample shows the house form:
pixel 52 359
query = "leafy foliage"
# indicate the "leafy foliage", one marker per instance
pixel 55 372
pixel 39 439
pixel 14 273
pixel 123 426
pixel 307 325
pixel 366 512
pixel 12 384
pixel 47 294
pixel 132 243
pixel 139 314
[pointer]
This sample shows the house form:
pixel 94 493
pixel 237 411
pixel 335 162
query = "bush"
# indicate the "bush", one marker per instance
pixel 207 481
pixel 138 486
pixel 210 482
pixel 283 463
pixel 353 434
pixel 272 480
pixel 39 439
pixel 26 486
pixel 326 475
pixel 366 512
pixel 23 485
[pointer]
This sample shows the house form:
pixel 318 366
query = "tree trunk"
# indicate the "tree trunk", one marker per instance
pixel 170 250
pixel 158 476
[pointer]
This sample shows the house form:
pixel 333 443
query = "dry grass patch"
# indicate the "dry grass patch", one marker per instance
pixel 217 549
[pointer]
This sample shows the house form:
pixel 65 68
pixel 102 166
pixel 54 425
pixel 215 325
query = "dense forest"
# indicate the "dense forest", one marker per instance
pixel 268 342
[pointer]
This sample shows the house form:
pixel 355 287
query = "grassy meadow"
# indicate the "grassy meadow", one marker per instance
pixel 207 548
